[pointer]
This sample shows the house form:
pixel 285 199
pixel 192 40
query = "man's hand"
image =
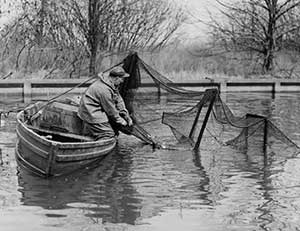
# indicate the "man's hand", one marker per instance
pixel 122 121
pixel 129 121
pixel 127 118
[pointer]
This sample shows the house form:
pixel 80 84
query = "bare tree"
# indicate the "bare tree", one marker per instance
pixel 255 25
pixel 121 25
pixel 77 30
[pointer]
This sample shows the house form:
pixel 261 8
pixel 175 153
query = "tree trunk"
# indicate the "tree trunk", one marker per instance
pixel 40 26
pixel 268 64
pixel 93 57
pixel 93 40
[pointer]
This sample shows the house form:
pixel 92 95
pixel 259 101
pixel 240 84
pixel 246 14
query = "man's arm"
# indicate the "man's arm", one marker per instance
pixel 120 105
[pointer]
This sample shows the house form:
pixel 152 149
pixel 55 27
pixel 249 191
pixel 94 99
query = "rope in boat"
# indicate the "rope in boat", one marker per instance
pixel 63 93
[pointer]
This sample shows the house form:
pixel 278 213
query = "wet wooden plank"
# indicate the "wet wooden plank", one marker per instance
pixel 67 135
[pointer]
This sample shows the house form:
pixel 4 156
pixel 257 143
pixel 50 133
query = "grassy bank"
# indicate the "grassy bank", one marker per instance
pixel 190 63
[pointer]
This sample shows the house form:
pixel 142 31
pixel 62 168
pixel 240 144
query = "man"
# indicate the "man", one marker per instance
pixel 102 108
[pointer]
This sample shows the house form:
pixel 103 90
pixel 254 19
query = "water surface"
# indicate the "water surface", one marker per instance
pixel 139 188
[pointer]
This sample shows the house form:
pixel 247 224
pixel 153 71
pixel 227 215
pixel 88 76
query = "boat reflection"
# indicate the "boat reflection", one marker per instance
pixel 102 192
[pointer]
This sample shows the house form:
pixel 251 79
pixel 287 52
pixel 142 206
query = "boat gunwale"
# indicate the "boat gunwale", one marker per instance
pixel 64 145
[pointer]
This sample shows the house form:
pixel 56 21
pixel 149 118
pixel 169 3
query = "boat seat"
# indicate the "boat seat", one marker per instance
pixel 67 135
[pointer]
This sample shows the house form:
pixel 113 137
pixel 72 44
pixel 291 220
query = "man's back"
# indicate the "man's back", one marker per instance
pixel 90 107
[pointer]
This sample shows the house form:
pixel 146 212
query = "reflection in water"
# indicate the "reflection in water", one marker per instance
pixel 276 207
pixel 205 180
pixel 1 158
pixel 103 192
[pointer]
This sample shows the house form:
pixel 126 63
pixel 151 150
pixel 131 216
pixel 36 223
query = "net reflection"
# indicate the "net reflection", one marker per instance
pixel 102 192
pixel 252 178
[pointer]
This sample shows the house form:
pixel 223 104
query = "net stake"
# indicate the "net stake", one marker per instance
pixel 212 95
pixel 201 103
pixel 265 140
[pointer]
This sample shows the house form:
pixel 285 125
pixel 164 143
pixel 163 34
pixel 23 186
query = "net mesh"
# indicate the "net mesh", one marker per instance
pixel 203 115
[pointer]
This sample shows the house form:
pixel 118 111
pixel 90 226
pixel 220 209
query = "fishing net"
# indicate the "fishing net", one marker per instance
pixel 194 116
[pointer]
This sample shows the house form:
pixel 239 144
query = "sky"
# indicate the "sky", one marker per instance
pixel 8 9
pixel 192 30
pixel 197 10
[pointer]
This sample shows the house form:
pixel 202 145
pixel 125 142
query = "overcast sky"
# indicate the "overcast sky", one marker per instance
pixel 198 9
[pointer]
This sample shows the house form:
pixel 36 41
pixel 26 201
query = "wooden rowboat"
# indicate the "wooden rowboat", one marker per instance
pixel 51 144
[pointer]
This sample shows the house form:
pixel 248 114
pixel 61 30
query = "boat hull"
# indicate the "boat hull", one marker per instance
pixel 45 157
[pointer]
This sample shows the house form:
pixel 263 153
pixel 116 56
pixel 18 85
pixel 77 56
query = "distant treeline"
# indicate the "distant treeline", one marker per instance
pixel 75 38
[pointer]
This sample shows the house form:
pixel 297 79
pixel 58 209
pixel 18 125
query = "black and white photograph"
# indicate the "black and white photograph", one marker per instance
pixel 149 115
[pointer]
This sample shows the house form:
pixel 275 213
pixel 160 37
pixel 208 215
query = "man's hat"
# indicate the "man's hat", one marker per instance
pixel 118 72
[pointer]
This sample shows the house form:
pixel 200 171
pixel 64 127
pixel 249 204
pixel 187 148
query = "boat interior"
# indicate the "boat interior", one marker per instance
pixel 56 121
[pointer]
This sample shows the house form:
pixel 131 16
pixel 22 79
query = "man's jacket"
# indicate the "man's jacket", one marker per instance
pixel 101 103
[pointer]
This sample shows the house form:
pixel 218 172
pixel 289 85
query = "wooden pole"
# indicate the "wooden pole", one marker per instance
pixel 201 103
pixel 265 144
pixel 27 91
pixel 158 91
pixel 246 133
pixel 1 160
pixel 212 93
